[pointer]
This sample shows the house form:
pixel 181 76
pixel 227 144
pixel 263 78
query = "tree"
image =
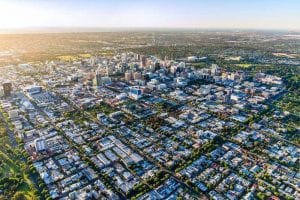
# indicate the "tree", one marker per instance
pixel 261 196
pixel 19 196
pixel 218 140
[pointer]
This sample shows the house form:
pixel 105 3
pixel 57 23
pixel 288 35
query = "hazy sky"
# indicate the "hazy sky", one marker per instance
pixel 258 14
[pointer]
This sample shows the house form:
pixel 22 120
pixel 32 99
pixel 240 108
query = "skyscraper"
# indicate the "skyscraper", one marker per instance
pixel 7 88
pixel 128 75
pixel 98 78
pixel 144 61
pixel 137 75
pixel 135 92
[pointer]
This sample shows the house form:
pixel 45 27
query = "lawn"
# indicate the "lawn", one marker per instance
pixel 244 65
pixel 14 171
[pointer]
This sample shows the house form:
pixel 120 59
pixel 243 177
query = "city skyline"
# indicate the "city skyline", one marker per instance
pixel 233 14
pixel 149 99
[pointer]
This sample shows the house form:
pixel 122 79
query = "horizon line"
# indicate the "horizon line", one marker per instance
pixel 71 29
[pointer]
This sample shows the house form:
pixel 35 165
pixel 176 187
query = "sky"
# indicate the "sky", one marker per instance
pixel 232 14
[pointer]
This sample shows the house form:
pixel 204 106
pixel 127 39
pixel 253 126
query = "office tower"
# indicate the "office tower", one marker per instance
pixel 144 61
pixel 135 92
pixel 137 75
pixel 128 75
pixel 7 88
pixel 98 78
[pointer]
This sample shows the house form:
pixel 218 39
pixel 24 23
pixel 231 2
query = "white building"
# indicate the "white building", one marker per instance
pixel 13 114
pixel 135 92
pixel 40 144
pixel 34 90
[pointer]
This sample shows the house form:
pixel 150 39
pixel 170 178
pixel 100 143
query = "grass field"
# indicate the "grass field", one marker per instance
pixel 244 65
pixel 14 171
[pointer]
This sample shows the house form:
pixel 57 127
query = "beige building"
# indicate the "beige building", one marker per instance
pixel 128 75
pixel 137 75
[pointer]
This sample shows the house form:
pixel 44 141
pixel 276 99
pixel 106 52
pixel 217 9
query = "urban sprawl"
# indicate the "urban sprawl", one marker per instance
pixel 133 126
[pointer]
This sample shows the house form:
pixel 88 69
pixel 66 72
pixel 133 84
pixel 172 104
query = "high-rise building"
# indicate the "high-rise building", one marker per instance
pixel 232 76
pixel 214 69
pixel 227 98
pixel 157 66
pixel 144 61
pixel 93 61
pixel 135 92
pixel 137 75
pixel 98 78
pixel 137 57
pixel 128 75
pixel 173 69
pixel 105 80
pixel 7 88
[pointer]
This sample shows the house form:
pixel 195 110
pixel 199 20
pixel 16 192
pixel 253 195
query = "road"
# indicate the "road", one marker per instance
pixel 161 167
pixel 155 162
pixel 77 148
pixel 133 147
